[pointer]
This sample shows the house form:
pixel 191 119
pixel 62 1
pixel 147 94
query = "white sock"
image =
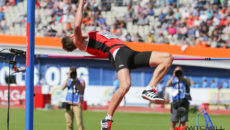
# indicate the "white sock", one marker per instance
pixel 149 88
pixel 108 117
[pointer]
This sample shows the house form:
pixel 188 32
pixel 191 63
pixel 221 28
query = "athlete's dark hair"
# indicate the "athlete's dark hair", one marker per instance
pixel 68 44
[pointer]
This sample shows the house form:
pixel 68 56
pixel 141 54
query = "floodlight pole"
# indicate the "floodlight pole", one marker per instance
pixel 29 114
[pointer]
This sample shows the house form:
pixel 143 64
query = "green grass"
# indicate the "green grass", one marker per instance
pixel 55 120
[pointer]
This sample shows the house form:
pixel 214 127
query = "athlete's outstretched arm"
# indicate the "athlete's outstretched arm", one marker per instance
pixel 77 25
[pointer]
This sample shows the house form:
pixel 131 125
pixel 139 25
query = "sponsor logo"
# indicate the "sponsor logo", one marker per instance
pixel 120 66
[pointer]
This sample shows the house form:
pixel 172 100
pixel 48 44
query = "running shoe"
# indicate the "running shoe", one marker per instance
pixel 152 96
pixel 106 124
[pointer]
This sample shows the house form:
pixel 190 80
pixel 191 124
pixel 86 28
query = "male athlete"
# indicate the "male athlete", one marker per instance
pixel 123 59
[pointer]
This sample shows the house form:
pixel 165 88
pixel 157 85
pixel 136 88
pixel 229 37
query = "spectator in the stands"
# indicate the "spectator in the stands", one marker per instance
pixel 170 12
pixel 139 9
pixel 204 31
pixel 215 36
pixel 50 4
pixel 2 3
pixel 150 10
pixel 3 25
pixel 226 30
pixel 62 34
pixel 172 30
pixel 101 20
pixel 205 84
pixel 12 2
pixel 37 4
pixel 224 21
pixel 143 20
pixel 135 19
pixel 22 20
pixel 126 2
pixel 150 37
pixel 158 31
pixel 2 14
pixel 94 6
pixel 191 32
pixel 38 20
pixel 123 23
pixel 129 16
pixel 194 85
pixel 128 37
pixel 185 14
pixel 190 21
pixel 138 38
pixel 225 84
pixel 160 39
pixel 161 16
pixel 172 2
pixel 177 14
pixel 182 31
pixel 52 31
pixel 161 3
pixel 213 84
pixel 106 5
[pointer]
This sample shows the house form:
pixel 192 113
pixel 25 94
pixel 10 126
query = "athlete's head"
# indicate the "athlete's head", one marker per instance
pixel 68 44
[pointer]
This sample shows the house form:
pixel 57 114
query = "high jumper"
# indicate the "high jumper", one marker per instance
pixel 107 45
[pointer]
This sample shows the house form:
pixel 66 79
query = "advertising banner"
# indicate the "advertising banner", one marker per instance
pixel 17 94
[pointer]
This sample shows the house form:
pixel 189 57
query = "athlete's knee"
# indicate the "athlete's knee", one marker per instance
pixel 125 86
pixel 168 58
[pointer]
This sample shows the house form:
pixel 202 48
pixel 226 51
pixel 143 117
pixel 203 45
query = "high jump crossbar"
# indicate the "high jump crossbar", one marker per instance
pixel 96 57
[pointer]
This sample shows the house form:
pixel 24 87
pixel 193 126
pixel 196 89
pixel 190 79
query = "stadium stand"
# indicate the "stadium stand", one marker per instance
pixel 186 22
pixel 192 22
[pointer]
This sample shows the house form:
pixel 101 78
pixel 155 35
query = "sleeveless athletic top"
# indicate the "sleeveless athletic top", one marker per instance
pixel 103 43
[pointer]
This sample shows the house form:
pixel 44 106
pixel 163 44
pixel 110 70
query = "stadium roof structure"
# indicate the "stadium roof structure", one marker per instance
pixel 46 46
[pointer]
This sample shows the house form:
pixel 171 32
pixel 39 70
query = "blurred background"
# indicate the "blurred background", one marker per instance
pixel 185 28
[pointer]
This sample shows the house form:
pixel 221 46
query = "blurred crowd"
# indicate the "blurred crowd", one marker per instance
pixel 210 84
pixel 202 23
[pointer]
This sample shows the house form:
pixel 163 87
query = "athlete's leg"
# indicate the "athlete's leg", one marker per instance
pixel 125 83
pixel 163 61
pixel 172 125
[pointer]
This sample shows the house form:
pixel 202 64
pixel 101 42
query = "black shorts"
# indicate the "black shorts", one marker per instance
pixel 128 58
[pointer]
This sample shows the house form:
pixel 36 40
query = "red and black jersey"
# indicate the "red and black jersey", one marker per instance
pixel 102 43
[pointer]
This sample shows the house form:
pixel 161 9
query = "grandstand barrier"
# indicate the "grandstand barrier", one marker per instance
pixel 198 50
pixel 203 98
